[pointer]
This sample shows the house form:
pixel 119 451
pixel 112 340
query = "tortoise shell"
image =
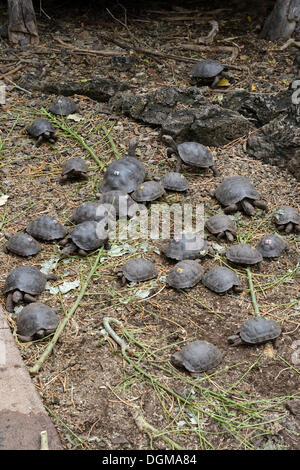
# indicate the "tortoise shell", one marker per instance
pixel 220 279
pixel 36 318
pixel 39 127
pixel 90 211
pixel 46 228
pixel 23 244
pixel 63 106
pixel 220 223
pixel 148 191
pixel 207 68
pixel 174 181
pixel 185 246
pixel 234 189
pixel 287 214
pixel 195 154
pixel 271 246
pixel 185 274
pixel 243 254
pixel 259 330
pixel 76 166
pixel 89 235
pixel 139 269
pixel 197 356
pixel 28 279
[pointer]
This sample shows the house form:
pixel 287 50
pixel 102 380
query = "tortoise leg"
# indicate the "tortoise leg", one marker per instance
pixel 260 205
pixel 17 296
pixel 237 289
pixel 231 209
pixel 220 235
pixel 68 250
pixel 289 227
pixel 216 81
pixel 234 340
pixel 51 277
pixel 5 249
pixel 178 164
pixel 39 141
pixel 247 207
pixel 9 305
pixel 229 236
pixel 29 298
pixel 215 170
pixel 82 252
pixel 281 228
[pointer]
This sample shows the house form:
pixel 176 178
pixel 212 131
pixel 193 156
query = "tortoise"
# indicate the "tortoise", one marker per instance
pixel 222 226
pixel 287 219
pixel 124 174
pixel 185 246
pixel 148 191
pixel 185 274
pixel 36 321
pixel 197 357
pixel 42 129
pixel 174 181
pixel 91 211
pixel 23 283
pixel 46 228
pixel 271 246
pixel 118 200
pixel 137 270
pixel 74 169
pixel 21 244
pixel 63 106
pixel 221 279
pixel 255 331
pixel 238 193
pixel 85 237
pixel 244 254
pixel 209 72
pixel 192 154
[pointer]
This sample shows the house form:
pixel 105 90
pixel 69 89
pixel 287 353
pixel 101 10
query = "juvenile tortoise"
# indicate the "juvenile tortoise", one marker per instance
pixel 221 279
pixel 255 331
pixel 21 244
pixel 23 284
pixel 36 321
pixel 42 130
pixel 209 72
pixel 185 274
pixel 237 193
pixel 92 211
pixel 74 169
pixel 192 154
pixel 186 246
pixel 222 226
pixel 148 191
pixel 174 181
pixel 137 270
pixel 287 219
pixel 197 357
pixel 244 255
pixel 46 228
pixel 85 237
pixel 271 246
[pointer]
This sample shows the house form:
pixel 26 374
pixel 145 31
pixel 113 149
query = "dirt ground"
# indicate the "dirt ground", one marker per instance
pixel 93 394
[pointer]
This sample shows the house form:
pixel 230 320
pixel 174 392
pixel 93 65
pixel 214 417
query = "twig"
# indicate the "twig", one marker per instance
pixel 211 35
pixel 11 72
pixel 144 426
pixel 88 51
pixel 198 48
pixel 36 367
pixel 17 86
pixel 290 42
pixel 252 291
pixel 44 440
pixel 113 334
pixel 110 139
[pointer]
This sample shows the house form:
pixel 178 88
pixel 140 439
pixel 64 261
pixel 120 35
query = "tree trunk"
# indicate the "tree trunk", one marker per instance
pixel 22 27
pixel 282 21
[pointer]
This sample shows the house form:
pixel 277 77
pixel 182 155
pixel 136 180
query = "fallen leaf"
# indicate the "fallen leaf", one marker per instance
pixel 75 117
pixel 3 199
pixel 223 82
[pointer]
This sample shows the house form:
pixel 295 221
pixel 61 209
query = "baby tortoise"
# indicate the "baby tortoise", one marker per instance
pixel 23 283
pixel 119 201
pixel 174 181
pixel 42 129
pixel 185 246
pixel 221 280
pixel 92 211
pixel 192 154
pixel 46 228
pixel 255 331
pixel 185 274
pixel 137 270
pixel 244 255
pixel 21 244
pixel 222 226
pixel 63 106
pixel 271 246
pixel 237 193
pixel 148 191
pixel 209 72
pixel 287 219
pixel 85 237
pixel 36 321
pixel 74 169
pixel 124 174
pixel 197 357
